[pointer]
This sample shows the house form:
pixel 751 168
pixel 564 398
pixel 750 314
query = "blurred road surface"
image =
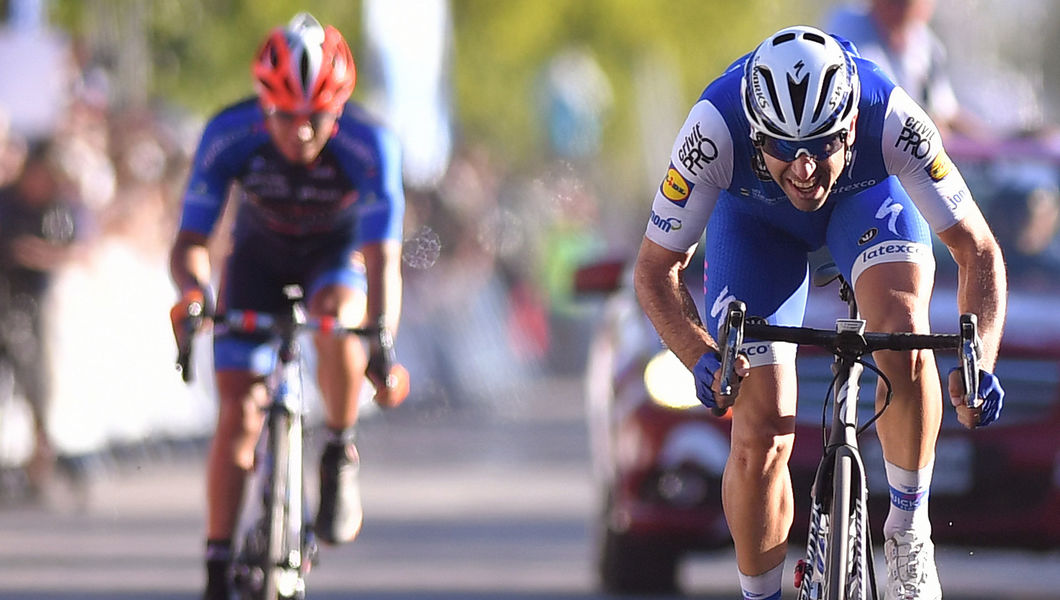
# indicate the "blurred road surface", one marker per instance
pixel 461 502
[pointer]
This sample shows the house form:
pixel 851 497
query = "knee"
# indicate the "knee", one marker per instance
pixel 762 444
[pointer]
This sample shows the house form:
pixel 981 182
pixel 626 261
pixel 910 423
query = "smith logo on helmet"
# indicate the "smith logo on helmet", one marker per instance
pixel 675 187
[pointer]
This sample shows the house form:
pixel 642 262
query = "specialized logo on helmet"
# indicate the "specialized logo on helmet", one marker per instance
pixel 675 187
pixel 940 167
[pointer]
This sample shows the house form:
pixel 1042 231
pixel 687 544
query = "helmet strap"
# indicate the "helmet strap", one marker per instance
pixel 758 162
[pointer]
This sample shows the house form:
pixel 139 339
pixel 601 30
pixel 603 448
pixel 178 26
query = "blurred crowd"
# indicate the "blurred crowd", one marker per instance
pixel 489 259
pixel 87 211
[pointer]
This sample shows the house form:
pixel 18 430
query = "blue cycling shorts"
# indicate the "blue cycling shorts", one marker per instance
pixel 759 253
pixel 255 274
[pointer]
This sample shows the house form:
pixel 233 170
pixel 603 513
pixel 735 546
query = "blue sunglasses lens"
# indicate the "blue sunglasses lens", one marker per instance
pixel 817 148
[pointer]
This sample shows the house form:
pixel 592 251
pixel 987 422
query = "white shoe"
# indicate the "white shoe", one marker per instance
pixel 911 572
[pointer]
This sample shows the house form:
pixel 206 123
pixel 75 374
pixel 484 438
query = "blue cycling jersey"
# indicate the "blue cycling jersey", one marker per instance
pixel 899 185
pixel 354 185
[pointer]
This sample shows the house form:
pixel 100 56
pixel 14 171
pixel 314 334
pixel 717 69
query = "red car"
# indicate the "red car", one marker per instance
pixel 658 455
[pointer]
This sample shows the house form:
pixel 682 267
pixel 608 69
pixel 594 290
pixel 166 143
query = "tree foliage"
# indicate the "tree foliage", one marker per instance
pixel 196 53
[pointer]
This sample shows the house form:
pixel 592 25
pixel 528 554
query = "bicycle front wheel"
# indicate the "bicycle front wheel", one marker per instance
pixel 847 555
pixel 838 546
pixel 276 507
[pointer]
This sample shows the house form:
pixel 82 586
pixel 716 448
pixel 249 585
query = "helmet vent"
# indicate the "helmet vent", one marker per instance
pixel 784 37
pixel 797 90
pixel 829 75
pixel 303 67
pixel 774 99
pixel 813 37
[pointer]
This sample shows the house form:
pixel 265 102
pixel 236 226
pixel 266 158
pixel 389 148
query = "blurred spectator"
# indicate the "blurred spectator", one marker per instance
pixel 39 222
pixel 896 35
pixel 1025 217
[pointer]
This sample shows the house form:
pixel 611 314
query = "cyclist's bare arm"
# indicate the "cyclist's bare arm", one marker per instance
pixel 665 299
pixel 189 261
pixel 981 290
pixel 382 261
pixel 981 286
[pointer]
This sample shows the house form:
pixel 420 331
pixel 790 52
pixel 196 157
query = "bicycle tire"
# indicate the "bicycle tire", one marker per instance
pixel 276 506
pixel 838 545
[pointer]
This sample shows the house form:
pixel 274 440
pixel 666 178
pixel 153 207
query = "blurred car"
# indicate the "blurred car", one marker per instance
pixel 658 455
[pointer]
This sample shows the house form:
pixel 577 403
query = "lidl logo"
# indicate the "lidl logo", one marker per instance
pixel 675 187
pixel 940 167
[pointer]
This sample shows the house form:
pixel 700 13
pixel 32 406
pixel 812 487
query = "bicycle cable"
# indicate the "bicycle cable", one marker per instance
pixel 828 396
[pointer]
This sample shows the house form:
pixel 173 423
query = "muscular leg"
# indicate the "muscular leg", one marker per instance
pixel 756 485
pixel 340 360
pixel 895 297
pixel 231 454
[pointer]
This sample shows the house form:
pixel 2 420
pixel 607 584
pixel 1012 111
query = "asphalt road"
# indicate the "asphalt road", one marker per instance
pixel 470 502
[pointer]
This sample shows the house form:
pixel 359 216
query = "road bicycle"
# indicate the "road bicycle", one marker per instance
pixel 275 546
pixel 839 563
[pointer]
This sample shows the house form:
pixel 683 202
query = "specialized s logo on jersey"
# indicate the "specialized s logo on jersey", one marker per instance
pixel 940 167
pixel 675 187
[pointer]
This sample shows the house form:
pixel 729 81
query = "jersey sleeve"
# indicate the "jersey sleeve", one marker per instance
pixel 701 164
pixel 912 151
pixel 381 217
pixel 208 181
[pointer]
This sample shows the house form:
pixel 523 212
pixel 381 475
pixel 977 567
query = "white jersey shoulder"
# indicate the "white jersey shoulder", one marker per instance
pixel 912 151
pixel 701 163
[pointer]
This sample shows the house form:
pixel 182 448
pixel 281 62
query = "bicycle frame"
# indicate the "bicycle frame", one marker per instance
pixel 839 544
pixel 278 547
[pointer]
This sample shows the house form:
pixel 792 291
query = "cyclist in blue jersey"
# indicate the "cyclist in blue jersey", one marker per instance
pixel 320 204
pixel 798 145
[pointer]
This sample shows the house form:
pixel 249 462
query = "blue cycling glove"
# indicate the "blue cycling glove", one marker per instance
pixel 703 373
pixel 993 396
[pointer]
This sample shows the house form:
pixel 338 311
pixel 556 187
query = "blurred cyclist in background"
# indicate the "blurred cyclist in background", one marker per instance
pixel 897 36
pixel 798 145
pixel 321 205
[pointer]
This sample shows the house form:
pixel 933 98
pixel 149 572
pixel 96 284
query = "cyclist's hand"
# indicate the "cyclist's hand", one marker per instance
pixel 188 315
pixel 707 376
pixel 390 379
pixel 991 392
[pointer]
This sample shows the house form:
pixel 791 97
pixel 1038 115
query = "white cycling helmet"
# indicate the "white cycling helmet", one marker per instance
pixel 800 83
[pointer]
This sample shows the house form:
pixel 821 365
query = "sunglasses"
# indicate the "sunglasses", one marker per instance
pixel 819 148
pixel 316 119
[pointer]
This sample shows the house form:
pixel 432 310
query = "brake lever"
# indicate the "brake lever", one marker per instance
pixel 196 314
pixel 969 357
pixel 731 338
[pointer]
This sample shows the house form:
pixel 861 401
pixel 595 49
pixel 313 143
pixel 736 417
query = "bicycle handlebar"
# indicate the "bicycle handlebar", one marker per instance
pixel 249 321
pixel 846 340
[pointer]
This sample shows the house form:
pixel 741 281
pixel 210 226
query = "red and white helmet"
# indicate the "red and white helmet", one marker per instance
pixel 800 83
pixel 304 68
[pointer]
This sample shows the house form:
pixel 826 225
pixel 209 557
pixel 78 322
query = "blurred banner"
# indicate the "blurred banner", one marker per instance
pixel 35 62
pixel 411 40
